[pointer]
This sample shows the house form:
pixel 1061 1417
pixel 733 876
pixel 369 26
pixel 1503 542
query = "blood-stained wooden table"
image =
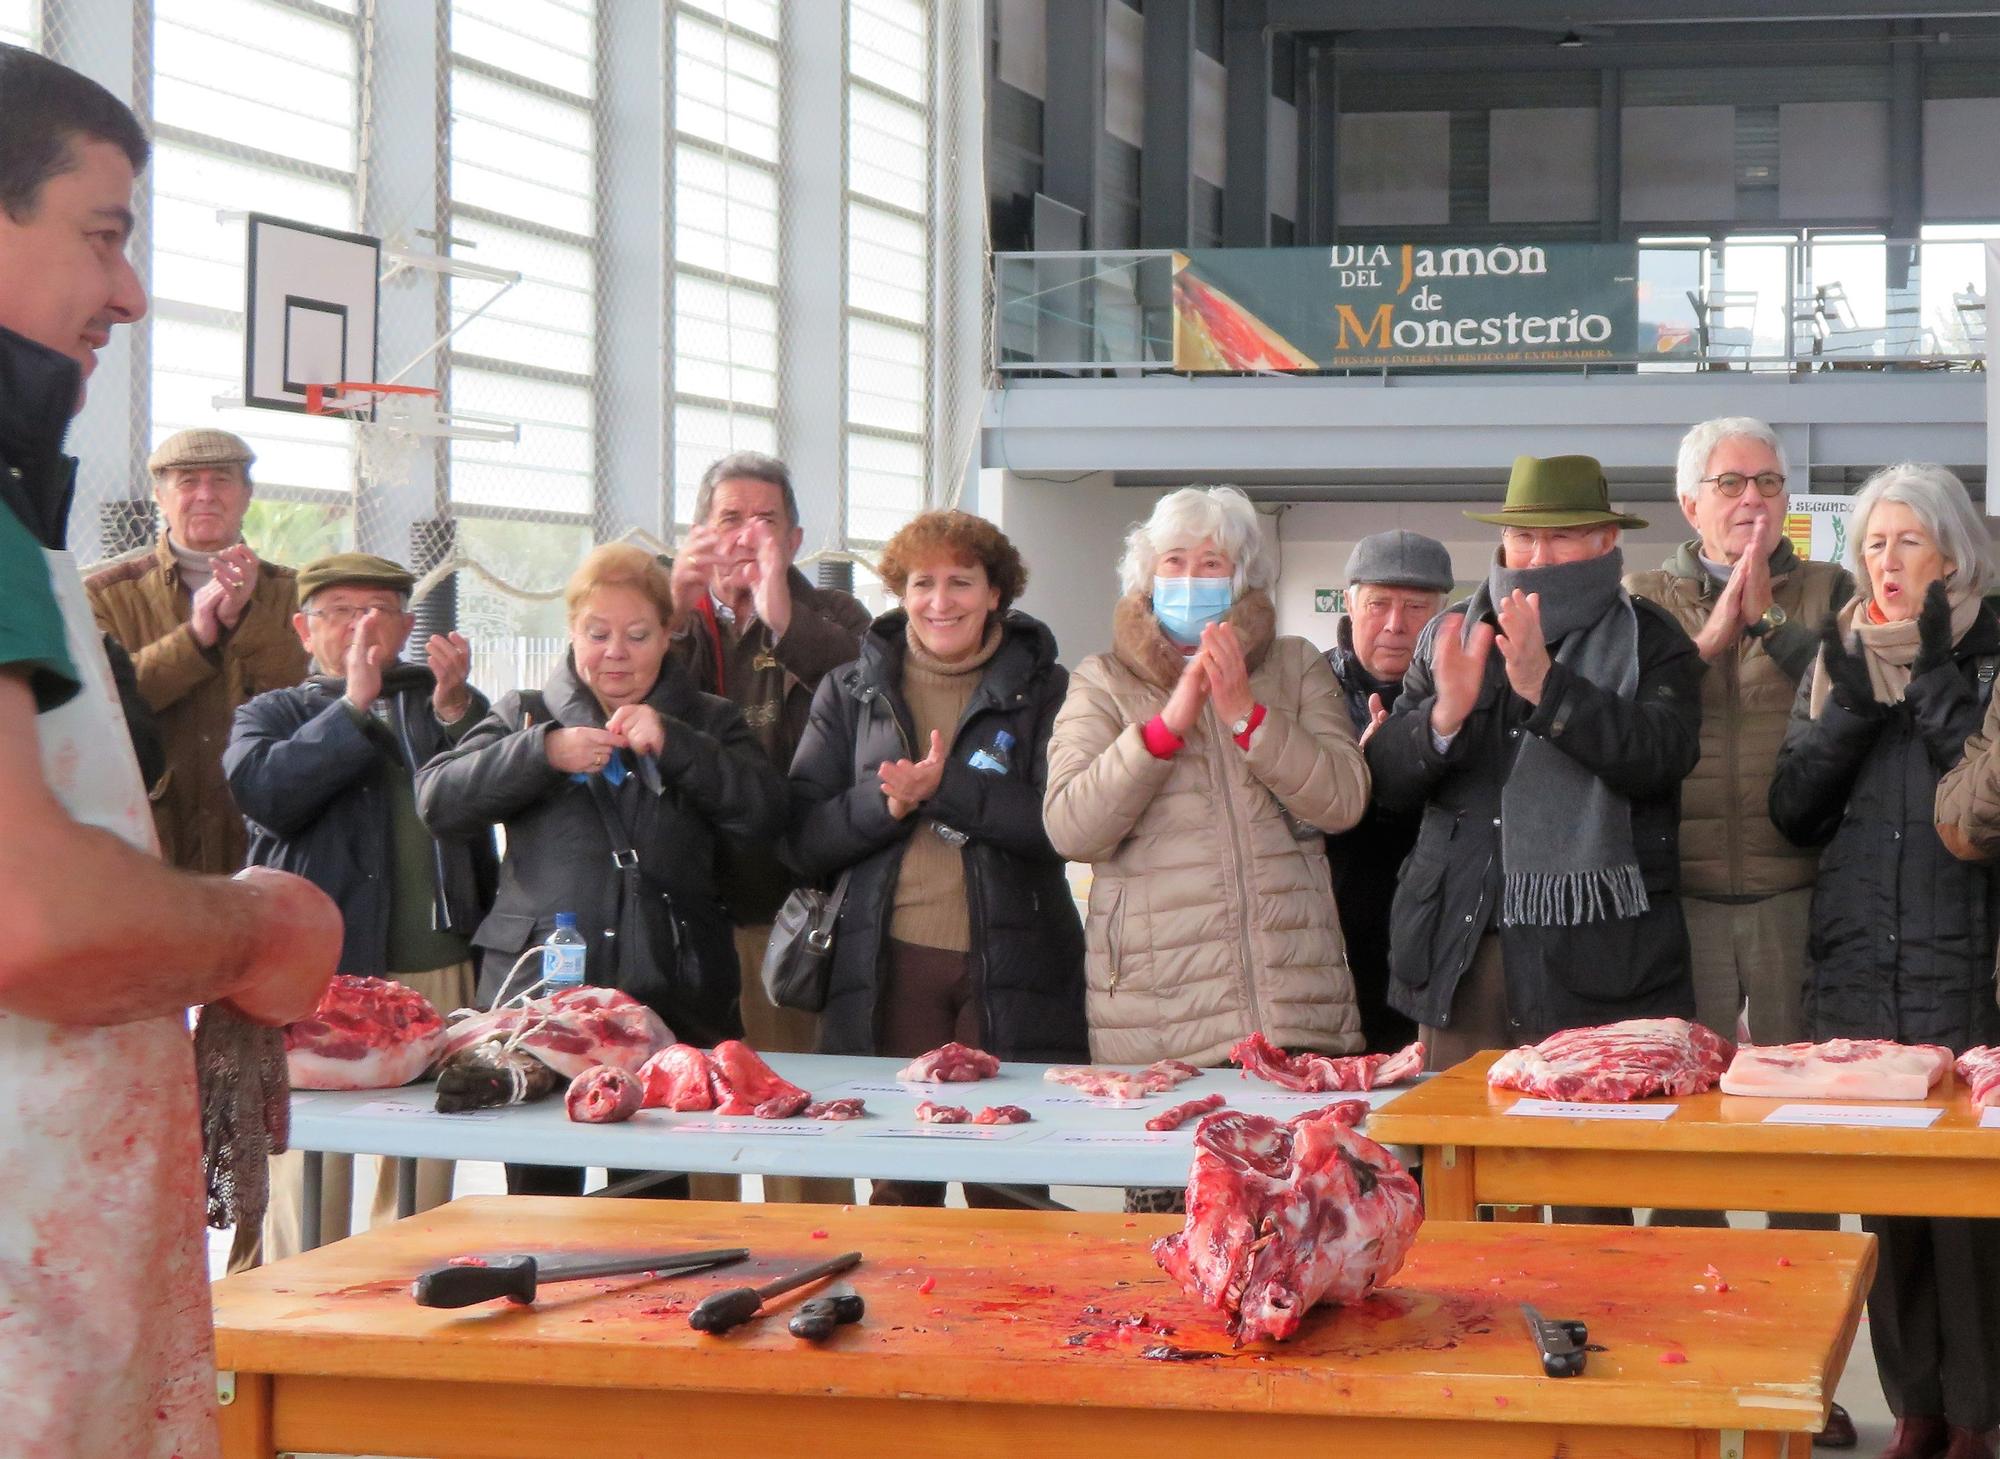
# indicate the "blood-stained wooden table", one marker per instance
pixel 1031 1333
pixel 1713 1151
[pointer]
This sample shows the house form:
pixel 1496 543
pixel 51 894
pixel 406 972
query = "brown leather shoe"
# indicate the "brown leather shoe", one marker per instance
pixel 1917 1436
pixel 1969 1444
pixel 1839 1431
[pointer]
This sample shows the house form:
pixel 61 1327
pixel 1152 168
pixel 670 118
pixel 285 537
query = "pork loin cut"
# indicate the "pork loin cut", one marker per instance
pixel 1616 1062
pixel 952 1063
pixel 1980 1069
pixel 367 1033
pixel 1282 1216
pixel 1837 1069
pixel 1311 1073
pixel 571 1031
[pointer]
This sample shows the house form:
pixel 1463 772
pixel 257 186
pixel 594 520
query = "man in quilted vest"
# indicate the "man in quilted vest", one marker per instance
pixel 1753 607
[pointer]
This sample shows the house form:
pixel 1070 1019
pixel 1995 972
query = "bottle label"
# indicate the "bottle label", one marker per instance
pixel 563 965
pixel 983 760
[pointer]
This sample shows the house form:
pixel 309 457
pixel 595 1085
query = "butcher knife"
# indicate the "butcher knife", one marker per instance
pixel 724 1310
pixel 1561 1341
pixel 518 1276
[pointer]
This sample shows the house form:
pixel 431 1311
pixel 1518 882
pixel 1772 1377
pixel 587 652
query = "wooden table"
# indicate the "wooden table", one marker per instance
pixel 1025 1333
pixel 1713 1152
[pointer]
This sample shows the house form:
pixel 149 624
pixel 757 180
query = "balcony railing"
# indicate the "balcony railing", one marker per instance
pixel 1779 305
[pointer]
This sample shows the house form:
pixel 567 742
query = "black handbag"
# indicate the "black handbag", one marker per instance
pixel 653 957
pixel 798 960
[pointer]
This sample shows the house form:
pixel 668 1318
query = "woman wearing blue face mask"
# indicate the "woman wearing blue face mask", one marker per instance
pixel 1195 767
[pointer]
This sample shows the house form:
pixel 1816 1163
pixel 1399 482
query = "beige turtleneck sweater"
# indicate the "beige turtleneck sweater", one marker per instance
pixel 930 908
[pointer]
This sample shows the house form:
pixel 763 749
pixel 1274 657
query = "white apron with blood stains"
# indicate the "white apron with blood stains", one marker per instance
pixel 105 1331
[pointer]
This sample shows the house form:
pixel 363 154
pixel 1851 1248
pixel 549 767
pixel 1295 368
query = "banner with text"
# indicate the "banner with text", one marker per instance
pixel 1366 305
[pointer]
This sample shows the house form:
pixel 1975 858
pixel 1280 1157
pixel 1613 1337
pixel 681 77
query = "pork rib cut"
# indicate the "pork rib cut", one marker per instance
pixel 570 1031
pixel 367 1033
pixel 1837 1069
pixel 1311 1073
pixel 952 1063
pixel 1101 1083
pixel 1282 1216
pixel 1616 1062
pixel 603 1096
pixel 1980 1069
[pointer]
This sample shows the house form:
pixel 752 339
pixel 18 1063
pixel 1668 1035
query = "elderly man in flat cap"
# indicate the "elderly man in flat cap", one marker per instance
pixel 1544 730
pixel 208 625
pixel 1396 583
pixel 325 773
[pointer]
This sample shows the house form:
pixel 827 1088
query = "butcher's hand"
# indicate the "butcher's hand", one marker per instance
pixel 639 728
pixel 1458 669
pixel 295 933
pixel 579 751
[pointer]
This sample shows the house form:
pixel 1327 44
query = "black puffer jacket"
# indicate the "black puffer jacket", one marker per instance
pixel 710 776
pixel 313 782
pixel 1902 937
pixel 1027 939
pixel 1448 893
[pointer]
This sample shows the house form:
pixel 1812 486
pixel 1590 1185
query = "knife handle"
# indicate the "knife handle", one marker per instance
pixel 816 1319
pixel 723 1310
pixel 512 1277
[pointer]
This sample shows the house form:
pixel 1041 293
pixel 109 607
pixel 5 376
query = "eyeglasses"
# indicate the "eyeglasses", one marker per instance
pixel 1731 483
pixel 343 614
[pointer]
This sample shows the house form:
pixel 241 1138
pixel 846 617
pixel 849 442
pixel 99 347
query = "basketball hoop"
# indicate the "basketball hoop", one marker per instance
pixel 386 420
pixel 351 397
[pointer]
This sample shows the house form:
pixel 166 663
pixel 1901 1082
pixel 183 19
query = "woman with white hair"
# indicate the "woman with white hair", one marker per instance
pixel 1903 933
pixel 1195 767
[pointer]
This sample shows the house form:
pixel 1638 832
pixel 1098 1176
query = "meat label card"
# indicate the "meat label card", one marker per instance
pixel 1887 1117
pixel 418 1111
pixel 1125 1137
pixel 944 1132
pixel 806 1128
pixel 1989 1119
pixel 1570 1110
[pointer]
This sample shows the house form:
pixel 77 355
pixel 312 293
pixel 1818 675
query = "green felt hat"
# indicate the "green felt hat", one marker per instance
pixel 1557 491
pixel 356 570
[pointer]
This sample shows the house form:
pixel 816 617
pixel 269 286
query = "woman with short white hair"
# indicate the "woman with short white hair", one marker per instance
pixel 1903 932
pixel 1195 767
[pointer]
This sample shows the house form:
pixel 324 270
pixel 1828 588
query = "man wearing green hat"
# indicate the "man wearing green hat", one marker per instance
pixel 1544 729
pixel 325 775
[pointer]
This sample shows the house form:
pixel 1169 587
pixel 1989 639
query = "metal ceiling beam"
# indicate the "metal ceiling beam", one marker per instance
pixel 1562 15
pixel 1246 194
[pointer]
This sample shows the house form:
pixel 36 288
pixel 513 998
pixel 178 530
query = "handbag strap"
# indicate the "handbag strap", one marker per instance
pixel 624 855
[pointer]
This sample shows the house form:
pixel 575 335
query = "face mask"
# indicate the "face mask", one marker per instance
pixel 1185 606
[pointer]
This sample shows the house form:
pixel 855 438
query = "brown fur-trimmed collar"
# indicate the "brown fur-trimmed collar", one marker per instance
pixel 1140 646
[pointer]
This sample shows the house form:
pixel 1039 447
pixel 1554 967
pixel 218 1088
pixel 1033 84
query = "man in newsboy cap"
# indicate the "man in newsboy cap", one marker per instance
pixel 1544 729
pixel 1396 583
pixel 325 773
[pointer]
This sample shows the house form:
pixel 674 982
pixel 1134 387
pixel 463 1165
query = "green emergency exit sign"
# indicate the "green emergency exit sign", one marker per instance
pixel 1329 600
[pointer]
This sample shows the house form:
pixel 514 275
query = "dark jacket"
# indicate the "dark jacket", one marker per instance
pixel 1027 939
pixel 314 783
pixel 1902 937
pixel 772 682
pixel 710 777
pixel 37 397
pixel 1365 861
pixel 1447 895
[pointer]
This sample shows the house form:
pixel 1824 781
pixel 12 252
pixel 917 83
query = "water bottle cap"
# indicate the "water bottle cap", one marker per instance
pixel 566 919
pixel 1004 740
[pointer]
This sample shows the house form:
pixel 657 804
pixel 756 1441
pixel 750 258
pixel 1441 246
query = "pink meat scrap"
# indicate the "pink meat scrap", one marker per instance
pixel 1311 1073
pixel 367 1033
pixel 1837 1069
pixel 603 1096
pixel 1616 1062
pixel 729 1079
pixel 952 1063
pixel 1002 1114
pixel 1980 1069
pixel 942 1114
pixel 1102 1083
pixel 1282 1216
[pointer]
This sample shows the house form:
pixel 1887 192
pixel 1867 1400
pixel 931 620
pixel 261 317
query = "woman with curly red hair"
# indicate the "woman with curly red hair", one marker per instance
pixel 920 779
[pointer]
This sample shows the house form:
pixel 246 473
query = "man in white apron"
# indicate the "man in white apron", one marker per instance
pixel 105 1340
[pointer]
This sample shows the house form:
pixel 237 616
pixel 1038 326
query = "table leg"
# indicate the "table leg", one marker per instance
pixel 406 1187
pixel 313 1184
pixel 1448 1192
pixel 244 1411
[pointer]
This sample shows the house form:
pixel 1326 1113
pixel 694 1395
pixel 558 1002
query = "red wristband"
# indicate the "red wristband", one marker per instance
pixel 1161 742
pixel 1256 718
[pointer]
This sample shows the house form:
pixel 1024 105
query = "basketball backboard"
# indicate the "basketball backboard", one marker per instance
pixel 309 314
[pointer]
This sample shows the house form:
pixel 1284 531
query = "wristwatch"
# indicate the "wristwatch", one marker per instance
pixel 1242 726
pixel 1774 617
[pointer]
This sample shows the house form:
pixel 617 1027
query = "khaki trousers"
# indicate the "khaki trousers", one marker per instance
pixel 447 988
pixel 768 1028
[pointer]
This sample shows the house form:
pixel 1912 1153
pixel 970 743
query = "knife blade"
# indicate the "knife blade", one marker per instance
pixel 518 1276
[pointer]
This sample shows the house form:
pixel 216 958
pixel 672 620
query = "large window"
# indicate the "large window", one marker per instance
pixel 725 328
pixel 20 22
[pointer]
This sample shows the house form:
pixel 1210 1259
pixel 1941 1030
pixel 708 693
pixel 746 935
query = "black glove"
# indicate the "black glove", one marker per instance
pixel 1933 632
pixel 1847 672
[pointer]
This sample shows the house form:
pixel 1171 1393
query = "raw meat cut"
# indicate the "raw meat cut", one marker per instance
pixel 836 1109
pixel 570 1031
pixel 603 1096
pixel 1180 1114
pixel 950 1064
pixel 1616 1062
pixel 745 1085
pixel 1282 1216
pixel 485 1075
pixel 1100 1083
pixel 1837 1069
pixel 1348 1111
pixel 677 1078
pixel 367 1033
pixel 1002 1114
pixel 1325 1073
pixel 942 1114
pixel 1980 1069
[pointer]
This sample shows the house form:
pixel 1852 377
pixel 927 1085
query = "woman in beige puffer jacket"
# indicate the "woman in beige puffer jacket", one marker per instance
pixel 1211 911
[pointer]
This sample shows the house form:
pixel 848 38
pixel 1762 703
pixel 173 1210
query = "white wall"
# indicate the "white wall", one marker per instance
pixel 1071 533
pixel 1315 539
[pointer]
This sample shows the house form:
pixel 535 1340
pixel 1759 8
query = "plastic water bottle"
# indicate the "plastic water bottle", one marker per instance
pixel 994 759
pixel 562 956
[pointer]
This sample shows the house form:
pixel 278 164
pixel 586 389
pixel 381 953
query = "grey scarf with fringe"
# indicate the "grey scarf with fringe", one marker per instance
pixel 1565 836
